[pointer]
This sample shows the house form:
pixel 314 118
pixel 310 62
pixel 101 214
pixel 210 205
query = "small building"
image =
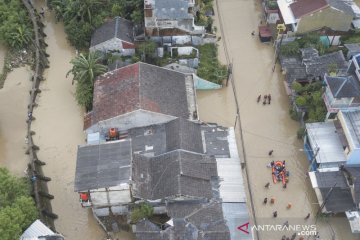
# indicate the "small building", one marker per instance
pixel 332 191
pixel 334 143
pixel 115 36
pixel 265 34
pixel 170 18
pixel 342 92
pixel 310 66
pixel 139 95
pixel 175 175
pixel 353 49
pixel 304 16
pixel 39 231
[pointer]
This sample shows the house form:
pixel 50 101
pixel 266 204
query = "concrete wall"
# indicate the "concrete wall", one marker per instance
pixel 138 118
pixel 112 196
pixel 113 44
pixel 328 17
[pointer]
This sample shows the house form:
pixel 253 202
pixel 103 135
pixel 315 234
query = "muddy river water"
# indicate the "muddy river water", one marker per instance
pixel 58 127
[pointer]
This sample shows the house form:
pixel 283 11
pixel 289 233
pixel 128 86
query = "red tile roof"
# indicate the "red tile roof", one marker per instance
pixel 303 7
pixel 138 86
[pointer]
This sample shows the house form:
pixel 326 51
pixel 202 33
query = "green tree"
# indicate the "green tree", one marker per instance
pixel 290 49
pixel 147 51
pixel 144 210
pixel 85 69
pixel 17 208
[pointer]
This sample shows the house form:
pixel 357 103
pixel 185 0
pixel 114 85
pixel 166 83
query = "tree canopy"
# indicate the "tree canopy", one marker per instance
pixel 85 69
pixel 82 17
pixel 15 27
pixel 17 208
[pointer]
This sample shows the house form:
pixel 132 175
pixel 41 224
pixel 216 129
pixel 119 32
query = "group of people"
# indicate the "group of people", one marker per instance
pixel 266 100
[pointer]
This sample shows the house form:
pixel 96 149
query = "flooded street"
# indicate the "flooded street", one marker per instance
pixel 265 127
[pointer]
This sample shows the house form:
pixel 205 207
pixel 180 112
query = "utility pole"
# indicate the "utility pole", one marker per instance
pixel 281 28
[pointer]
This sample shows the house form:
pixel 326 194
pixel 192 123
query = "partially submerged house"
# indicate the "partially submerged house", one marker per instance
pixel 310 66
pixel 170 18
pixel 304 16
pixel 139 95
pixel 116 36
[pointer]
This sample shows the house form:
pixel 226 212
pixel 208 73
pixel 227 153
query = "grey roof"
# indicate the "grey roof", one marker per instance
pixel 172 9
pixel 339 200
pixel 158 139
pixel 103 165
pixel 353 47
pixel 355 173
pixel 116 28
pixel 344 6
pixel 216 140
pixel 318 66
pixel 309 53
pixel 343 86
pixel 329 179
pixel 311 65
pixel 352 119
pixel 294 68
pixel 176 173
pixel 191 221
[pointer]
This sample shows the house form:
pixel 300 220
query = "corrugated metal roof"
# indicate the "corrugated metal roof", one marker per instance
pixel 352 120
pixel 323 135
pixel 36 229
pixel 229 170
pixel 236 214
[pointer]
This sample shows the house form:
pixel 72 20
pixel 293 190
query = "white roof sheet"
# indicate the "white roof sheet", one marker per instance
pixel 323 135
pixel 230 172
pixel 354 221
pixel 36 229
pixel 356 23
pixel 286 13
pixel 237 214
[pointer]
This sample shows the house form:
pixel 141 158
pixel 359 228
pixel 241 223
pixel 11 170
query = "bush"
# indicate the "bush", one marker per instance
pixel 301 133
pixel 209 67
pixel 300 101
pixel 290 49
pixel 144 210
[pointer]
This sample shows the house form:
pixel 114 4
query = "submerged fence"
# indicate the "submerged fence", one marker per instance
pixel 35 173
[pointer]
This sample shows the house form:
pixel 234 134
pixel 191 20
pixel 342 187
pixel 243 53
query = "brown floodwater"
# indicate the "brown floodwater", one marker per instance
pixel 14 98
pixel 264 127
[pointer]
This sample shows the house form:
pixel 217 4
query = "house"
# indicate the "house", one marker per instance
pixel 170 18
pixel 352 50
pixel 103 174
pixel 188 221
pixel 342 92
pixel 310 66
pixel 139 95
pixel 115 36
pixel 304 16
pixel 174 175
pixel 334 192
pixel 334 143
pixel 39 231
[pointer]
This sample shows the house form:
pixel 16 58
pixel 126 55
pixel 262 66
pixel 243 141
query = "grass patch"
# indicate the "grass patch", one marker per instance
pixel 209 67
